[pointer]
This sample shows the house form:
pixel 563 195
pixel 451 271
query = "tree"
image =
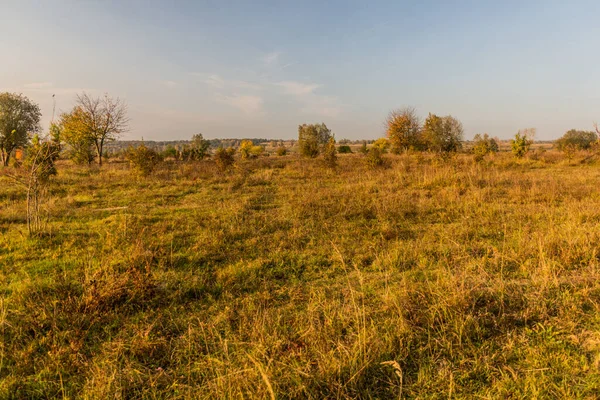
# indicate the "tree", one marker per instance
pixel 522 142
pixel 312 138
pixel 442 134
pixel 483 145
pixel 19 118
pixel 74 133
pixel 403 129
pixel 577 140
pixel 100 119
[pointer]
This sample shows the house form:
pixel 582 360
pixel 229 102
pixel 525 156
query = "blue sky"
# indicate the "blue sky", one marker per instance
pixel 260 68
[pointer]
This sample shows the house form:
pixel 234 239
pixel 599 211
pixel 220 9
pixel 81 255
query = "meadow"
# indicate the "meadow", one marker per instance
pixel 285 279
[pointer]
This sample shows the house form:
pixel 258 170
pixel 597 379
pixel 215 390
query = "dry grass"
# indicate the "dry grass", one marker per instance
pixel 283 279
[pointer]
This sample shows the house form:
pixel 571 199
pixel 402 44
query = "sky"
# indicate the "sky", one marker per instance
pixel 260 68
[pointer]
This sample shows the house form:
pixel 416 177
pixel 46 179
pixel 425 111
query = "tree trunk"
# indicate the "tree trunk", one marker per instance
pixel 99 152
pixel 5 157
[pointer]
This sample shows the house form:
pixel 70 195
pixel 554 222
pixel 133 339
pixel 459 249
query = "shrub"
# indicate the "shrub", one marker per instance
pixel 522 142
pixel 142 160
pixel 281 151
pixel 312 138
pixel 375 158
pixel 382 143
pixel 170 152
pixel 344 149
pixel 224 158
pixel 483 145
pixel 363 148
pixel 197 149
pixel 249 150
pixel 329 154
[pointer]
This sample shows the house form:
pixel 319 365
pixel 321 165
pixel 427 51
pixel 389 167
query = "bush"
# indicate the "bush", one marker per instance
pixel 249 150
pixel 312 138
pixel 363 148
pixel 281 151
pixel 522 142
pixel 344 149
pixel 329 154
pixel 197 149
pixel 375 158
pixel 382 143
pixel 224 158
pixel 142 159
pixel 483 145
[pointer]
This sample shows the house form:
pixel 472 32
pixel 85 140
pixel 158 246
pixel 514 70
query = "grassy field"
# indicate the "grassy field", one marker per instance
pixel 283 279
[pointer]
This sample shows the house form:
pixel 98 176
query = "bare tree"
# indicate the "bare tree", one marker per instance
pixel 103 119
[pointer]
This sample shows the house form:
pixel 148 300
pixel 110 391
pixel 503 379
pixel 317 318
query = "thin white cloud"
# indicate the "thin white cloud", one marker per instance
pixel 323 106
pixel 169 84
pixel 249 105
pixel 271 59
pixel 215 81
pixel 218 82
pixel 38 85
pixel 298 88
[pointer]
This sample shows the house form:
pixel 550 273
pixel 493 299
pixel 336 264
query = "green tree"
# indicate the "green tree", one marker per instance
pixel 312 138
pixel 442 134
pixel 522 142
pixel 19 118
pixel 403 129
pixel 578 140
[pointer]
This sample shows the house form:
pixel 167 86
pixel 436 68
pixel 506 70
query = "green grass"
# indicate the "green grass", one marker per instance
pixel 284 279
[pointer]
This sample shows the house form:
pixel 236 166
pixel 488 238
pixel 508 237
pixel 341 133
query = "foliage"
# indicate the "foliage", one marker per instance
pixel 577 140
pixel 403 129
pixel 330 153
pixel 72 131
pixel 198 148
pixel 312 138
pixel 442 134
pixel 344 149
pixel 363 148
pixel 522 142
pixel 483 145
pixel 142 159
pixel 281 151
pixel 249 150
pixel 19 118
pixel 382 144
pixel 224 158
pixel 375 157
pixel 170 152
